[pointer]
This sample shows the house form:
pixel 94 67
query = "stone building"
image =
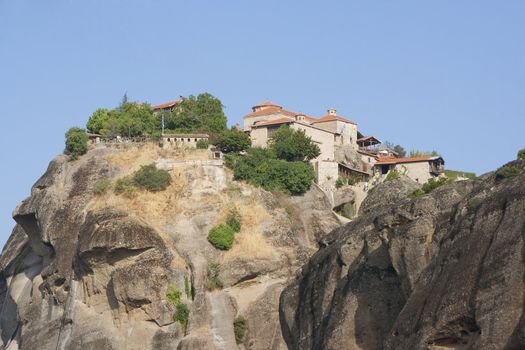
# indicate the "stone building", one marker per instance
pixel 182 140
pixel 419 169
pixel 345 152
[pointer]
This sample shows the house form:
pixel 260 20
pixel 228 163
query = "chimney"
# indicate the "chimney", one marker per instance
pixel 332 111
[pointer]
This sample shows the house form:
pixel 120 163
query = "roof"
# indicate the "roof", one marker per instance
pixel 274 122
pixel 331 117
pixel 186 135
pixel 166 104
pixel 274 110
pixel 393 160
pixel 266 103
pixel 368 138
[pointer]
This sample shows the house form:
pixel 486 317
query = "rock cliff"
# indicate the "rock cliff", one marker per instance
pixel 86 271
pixel 443 271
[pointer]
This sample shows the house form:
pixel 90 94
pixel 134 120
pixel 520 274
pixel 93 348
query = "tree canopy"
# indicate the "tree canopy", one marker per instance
pixel 233 140
pixel 196 113
pixel 76 142
pixel 129 119
pixel 400 150
pixel 293 145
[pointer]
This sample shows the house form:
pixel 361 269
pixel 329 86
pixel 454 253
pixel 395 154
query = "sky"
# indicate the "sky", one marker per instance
pixel 443 75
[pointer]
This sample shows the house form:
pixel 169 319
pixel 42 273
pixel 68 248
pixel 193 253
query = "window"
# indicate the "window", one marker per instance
pixel 188 139
pixel 195 140
pixel 169 139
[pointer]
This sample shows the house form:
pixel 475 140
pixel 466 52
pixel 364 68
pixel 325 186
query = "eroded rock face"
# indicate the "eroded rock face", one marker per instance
pixel 443 271
pixel 87 272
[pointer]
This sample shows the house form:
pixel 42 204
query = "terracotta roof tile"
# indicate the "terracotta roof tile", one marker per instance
pixel 274 122
pixel 266 103
pixel 330 117
pixel 166 105
pixel 393 160
pixel 271 110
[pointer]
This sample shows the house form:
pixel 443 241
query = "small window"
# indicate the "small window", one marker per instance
pixel 169 139
pixel 195 140
pixel 188 139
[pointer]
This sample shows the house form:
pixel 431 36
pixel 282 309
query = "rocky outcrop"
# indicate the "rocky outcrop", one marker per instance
pixel 82 271
pixel 443 271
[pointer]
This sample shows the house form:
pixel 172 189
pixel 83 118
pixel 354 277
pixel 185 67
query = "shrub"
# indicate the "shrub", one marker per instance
pixel 173 295
pixel 352 180
pixel 202 144
pixel 101 187
pixel 521 154
pixel 234 219
pixel 454 174
pixel 76 142
pixel 392 175
pixel 417 193
pixel 507 171
pixel 339 183
pixel 213 280
pixel 151 178
pixel 239 328
pixel 429 186
pixel 182 314
pixel 221 236
pixel 124 186
pixel 259 167
pixel 233 140
pixel 432 184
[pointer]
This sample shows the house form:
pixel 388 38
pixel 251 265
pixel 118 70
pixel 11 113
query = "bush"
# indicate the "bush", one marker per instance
pixel 507 171
pixel 202 144
pixel 454 174
pixel 101 187
pixel 124 186
pixel 234 219
pixel 182 314
pixel 233 140
pixel 151 178
pixel 76 142
pixel 239 328
pixel 213 280
pixel 261 168
pixel 221 237
pixel 429 186
pixel 521 154
pixel 173 295
pixel 392 175
pixel 339 183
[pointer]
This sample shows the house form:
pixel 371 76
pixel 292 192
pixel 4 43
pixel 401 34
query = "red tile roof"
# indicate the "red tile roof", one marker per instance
pixel 330 117
pixel 271 110
pixel 274 122
pixel 166 105
pixel 393 160
pixel 266 103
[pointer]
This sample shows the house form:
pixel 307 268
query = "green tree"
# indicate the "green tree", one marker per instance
pixel 292 145
pixel 221 236
pixel 203 112
pixel 401 152
pixel 417 154
pixel 98 121
pixel 521 154
pixel 233 140
pixel 76 142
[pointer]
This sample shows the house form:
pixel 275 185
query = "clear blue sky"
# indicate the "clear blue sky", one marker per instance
pixel 446 75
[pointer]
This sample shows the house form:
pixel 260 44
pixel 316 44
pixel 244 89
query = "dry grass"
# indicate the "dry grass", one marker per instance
pixel 249 243
pixel 153 208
